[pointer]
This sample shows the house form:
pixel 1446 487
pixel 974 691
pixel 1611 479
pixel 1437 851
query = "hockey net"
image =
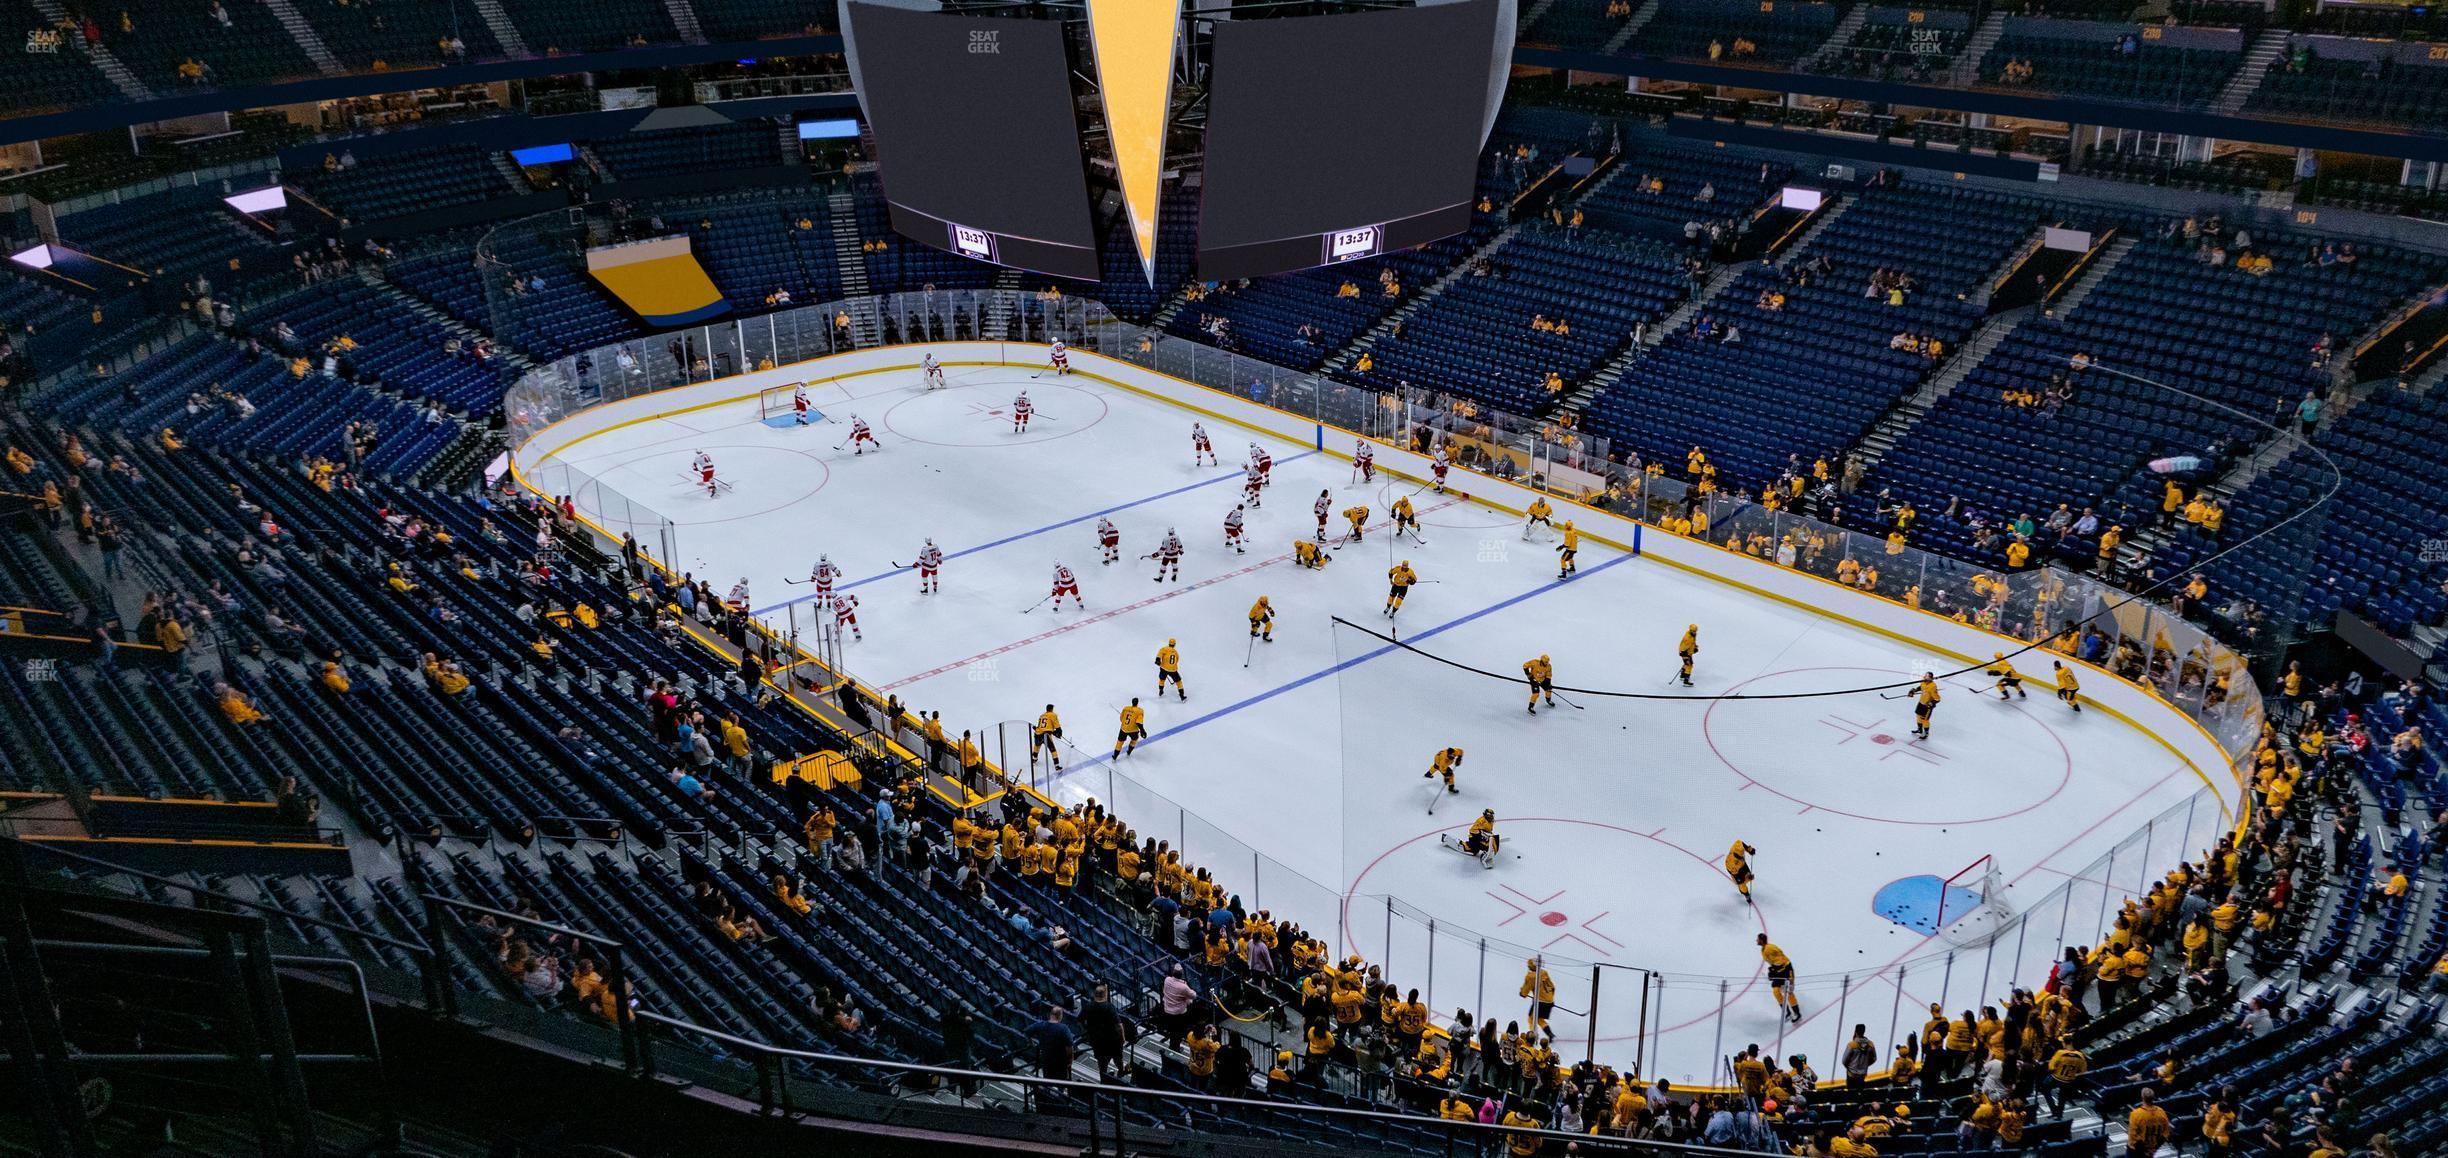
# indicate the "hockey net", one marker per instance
pixel 1972 908
pixel 775 406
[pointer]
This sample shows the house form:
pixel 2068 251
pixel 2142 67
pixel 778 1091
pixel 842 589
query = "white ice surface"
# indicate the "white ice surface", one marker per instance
pixel 1299 774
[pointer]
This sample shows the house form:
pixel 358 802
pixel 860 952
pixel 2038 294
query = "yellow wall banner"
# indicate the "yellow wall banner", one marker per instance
pixel 659 278
pixel 1134 41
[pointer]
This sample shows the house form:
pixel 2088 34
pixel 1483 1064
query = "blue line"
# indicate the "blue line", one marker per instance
pixel 1014 538
pixel 1353 662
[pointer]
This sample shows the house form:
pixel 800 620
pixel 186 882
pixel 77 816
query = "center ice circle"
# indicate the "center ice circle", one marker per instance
pixel 980 413
pixel 1855 756
pixel 1558 891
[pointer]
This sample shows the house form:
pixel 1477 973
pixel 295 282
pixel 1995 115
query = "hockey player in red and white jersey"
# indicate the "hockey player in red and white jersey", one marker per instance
pixel 1065 583
pixel 1109 539
pixel 1437 467
pixel 930 371
pixel 1202 452
pixel 861 437
pixel 1168 557
pixel 1265 463
pixel 738 599
pixel 1232 531
pixel 1323 505
pixel 845 614
pixel 1022 410
pixel 702 466
pixel 930 561
pixel 824 574
pixel 1060 357
pixel 799 405
pixel 1364 461
pixel 1250 484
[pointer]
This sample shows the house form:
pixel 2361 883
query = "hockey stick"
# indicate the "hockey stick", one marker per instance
pixel 1251 652
pixel 797 582
pixel 1036 605
pixel 1568 701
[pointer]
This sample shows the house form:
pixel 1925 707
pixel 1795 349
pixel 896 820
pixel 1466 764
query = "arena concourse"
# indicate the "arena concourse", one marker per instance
pixel 1576 577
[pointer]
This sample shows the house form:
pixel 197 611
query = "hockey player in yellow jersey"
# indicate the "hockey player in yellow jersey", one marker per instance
pixel 1567 551
pixel 1481 840
pixel 1045 735
pixel 2069 689
pixel 1541 674
pixel 1738 867
pixel 1262 620
pixel 1399 580
pixel 1539 514
pixel 2009 681
pixel 1310 555
pixel 1780 978
pixel 1447 759
pixel 1925 701
pixel 1358 518
pixel 1134 729
pixel 1687 650
pixel 1539 987
pixel 1168 670
pixel 1405 519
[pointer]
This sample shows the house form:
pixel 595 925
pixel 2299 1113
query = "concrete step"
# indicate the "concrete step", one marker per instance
pixel 1640 19
pixel 2091 278
pixel 1984 38
pixel 1370 337
pixel 1837 39
pixel 1892 426
pixel 2264 51
pixel 308 40
pixel 506 34
pixel 684 18
pixel 104 61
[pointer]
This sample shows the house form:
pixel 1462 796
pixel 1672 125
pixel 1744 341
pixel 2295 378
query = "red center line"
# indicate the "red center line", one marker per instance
pixel 1102 616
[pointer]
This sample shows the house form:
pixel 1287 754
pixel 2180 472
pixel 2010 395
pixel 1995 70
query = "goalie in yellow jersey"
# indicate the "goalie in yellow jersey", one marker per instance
pixel 1539 514
pixel 1480 842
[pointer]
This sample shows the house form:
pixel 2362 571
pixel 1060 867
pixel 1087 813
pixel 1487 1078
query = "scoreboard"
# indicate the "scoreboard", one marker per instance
pixel 1328 138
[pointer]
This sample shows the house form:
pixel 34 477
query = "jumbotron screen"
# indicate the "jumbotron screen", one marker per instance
pixel 975 137
pixel 1332 138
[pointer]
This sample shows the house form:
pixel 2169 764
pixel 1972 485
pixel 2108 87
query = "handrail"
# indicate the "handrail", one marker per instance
pixel 221 897
pixel 530 922
pixel 1090 1091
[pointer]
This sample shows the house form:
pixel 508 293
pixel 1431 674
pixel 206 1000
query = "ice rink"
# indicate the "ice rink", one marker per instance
pixel 1298 774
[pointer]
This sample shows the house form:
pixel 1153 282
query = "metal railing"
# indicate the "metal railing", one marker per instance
pixel 1108 1109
